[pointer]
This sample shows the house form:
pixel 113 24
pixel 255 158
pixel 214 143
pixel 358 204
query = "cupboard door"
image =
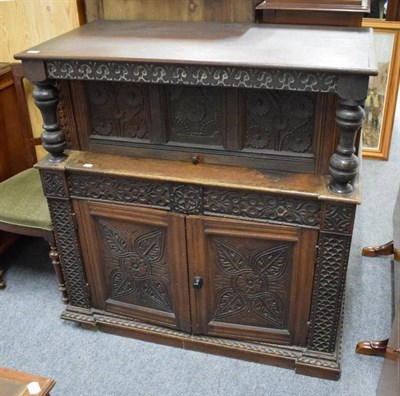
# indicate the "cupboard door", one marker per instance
pixel 135 260
pixel 250 281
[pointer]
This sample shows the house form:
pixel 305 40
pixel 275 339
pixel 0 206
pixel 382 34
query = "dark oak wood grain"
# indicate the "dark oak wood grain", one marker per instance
pixel 200 212
pixel 244 45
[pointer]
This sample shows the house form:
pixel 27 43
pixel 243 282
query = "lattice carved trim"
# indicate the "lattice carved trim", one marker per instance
pixel 328 291
pixel 69 251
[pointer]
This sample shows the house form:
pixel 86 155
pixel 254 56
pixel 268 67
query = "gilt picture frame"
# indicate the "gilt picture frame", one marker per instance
pixel 380 105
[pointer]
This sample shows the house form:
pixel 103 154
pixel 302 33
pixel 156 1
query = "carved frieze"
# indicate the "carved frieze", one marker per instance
pixel 215 76
pixel 279 121
pixel 118 110
pixel 104 188
pixel 262 206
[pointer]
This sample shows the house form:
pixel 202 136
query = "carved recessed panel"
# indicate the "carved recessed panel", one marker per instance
pixel 134 258
pixel 195 115
pixel 279 121
pixel 251 281
pixel 118 110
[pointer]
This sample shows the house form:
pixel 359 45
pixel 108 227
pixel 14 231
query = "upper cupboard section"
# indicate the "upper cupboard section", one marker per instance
pixel 265 129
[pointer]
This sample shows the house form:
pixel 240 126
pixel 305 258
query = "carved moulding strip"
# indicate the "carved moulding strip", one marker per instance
pixel 328 290
pixel 69 251
pixel 322 365
pixel 105 318
pixel 262 207
pixel 104 188
pixel 215 76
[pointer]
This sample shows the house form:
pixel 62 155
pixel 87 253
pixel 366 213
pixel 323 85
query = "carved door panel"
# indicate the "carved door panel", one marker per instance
pixel 135 260
pixel 250 280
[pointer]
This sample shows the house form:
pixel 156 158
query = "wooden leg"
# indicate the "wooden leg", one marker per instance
pixel 2 281
pixel 55 260
pixel 375 251
pixel 372 348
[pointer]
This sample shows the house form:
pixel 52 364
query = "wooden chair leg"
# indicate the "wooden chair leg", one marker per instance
pixel 2 281
pixel 59 274
pixel 374 348
pixel 375 251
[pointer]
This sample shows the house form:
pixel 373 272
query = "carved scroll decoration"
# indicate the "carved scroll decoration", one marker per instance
pixel 215 76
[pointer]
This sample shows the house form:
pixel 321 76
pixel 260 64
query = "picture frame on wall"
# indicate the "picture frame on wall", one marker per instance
pixel 380 105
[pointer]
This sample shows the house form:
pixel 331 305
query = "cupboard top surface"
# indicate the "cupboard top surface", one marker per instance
pixel 329 49
pixel 232 177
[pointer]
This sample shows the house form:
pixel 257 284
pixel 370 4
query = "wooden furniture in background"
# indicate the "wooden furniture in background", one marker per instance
pixel 177 10
pixel 389 381
pixel 393 10
pixel 239 248
pixel 15 383
pixel 23 205
pixel 37 21
pixel 313 12
pixel 15 134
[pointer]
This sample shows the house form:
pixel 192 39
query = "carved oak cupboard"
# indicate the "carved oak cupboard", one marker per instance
pixel 208 195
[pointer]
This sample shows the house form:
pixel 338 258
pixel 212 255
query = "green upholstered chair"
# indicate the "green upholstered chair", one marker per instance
pixel 24 211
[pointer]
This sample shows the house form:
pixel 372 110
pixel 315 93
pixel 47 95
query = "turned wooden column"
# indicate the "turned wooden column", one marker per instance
pixel 343 166
pixel 45 96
